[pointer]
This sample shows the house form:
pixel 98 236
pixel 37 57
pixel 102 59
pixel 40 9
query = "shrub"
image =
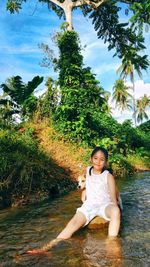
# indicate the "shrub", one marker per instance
pixel 24 169
pixel 120 166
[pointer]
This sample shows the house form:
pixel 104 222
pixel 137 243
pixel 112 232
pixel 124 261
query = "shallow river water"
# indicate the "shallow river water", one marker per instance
pixel 30 227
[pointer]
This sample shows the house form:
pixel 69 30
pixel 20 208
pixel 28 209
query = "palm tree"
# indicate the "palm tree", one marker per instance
pixel 105 106
pixel 127 68
pixel 141 105
pixel 121 95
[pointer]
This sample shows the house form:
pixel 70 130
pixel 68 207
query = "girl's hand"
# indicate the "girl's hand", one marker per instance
pixel 83 195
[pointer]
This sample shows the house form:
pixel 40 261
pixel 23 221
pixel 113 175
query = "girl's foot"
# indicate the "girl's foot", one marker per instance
pixel 46 247
pixel 36 251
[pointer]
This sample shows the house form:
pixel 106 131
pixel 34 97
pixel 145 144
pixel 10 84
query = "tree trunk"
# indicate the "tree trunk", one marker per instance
pixel 134 107
pixel 68 14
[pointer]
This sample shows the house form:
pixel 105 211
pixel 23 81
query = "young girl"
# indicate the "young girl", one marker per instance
pixel 99 199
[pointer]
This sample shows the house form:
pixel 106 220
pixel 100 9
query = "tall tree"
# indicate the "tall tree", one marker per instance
pixel 121 96
pixel 142 105
pixel 81 94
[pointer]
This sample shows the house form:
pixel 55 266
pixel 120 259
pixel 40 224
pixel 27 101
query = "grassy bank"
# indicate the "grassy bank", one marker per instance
pixel 140 163
pixel 38 163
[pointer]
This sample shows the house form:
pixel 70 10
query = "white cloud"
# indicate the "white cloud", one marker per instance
pixel 106 67
pixel 40 92
pixel 141 88
pixel 92 48
pixel 22 49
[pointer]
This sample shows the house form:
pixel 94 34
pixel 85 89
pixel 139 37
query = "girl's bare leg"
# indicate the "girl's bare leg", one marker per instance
pixel 74 224
pixel 113 212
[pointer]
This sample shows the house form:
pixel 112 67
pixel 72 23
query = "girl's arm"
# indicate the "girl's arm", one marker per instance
pixel 83 195
pixel 112 188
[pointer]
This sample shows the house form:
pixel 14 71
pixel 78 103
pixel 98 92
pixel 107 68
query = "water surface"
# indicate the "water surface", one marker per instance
pixel 30 227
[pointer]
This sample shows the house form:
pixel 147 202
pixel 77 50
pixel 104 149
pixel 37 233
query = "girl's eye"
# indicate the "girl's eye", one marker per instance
pixel 100 159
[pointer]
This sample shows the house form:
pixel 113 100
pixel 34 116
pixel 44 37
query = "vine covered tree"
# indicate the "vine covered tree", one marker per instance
pixel 81 97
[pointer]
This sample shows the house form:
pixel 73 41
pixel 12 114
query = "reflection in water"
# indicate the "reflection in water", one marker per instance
pixel 103 251
pixel 29 227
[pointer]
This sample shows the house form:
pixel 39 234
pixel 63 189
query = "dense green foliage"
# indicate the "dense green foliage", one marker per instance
pixel 25 170
pixel 82 98
pixel 82 113
pixel 145 127
pixel 144 132
pixel 47 103
pixel 18 98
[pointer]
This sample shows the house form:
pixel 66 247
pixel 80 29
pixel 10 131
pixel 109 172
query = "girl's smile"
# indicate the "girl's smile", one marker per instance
pixel 98 161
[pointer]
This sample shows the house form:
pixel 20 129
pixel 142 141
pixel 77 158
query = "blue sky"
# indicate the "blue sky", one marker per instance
pixel 21 33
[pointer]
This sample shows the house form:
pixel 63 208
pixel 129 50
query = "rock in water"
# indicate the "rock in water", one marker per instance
pixel 98 223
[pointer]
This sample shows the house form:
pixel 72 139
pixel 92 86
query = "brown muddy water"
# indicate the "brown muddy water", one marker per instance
pixel 30 227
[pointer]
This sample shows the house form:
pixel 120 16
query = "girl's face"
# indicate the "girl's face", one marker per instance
pixel 98 161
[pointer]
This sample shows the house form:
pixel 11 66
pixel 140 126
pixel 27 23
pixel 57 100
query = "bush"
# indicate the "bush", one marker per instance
pixel 24 169
pixel 145 127
pixel 120 166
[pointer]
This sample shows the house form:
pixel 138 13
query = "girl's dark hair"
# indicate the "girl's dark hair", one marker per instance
pixel 104 151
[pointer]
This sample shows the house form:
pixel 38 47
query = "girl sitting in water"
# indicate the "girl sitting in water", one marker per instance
pixel 99 199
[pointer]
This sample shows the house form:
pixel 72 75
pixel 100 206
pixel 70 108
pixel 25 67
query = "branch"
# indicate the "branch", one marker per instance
pixel 88 2
pixel 127 2
pixel 57 3
pixel 35 9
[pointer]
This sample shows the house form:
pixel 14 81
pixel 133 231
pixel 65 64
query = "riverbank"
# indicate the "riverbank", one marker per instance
pixel 38 163
pixel 75 158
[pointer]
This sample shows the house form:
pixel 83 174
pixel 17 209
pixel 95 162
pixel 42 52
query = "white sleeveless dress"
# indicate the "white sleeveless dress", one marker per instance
pixel 97 196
